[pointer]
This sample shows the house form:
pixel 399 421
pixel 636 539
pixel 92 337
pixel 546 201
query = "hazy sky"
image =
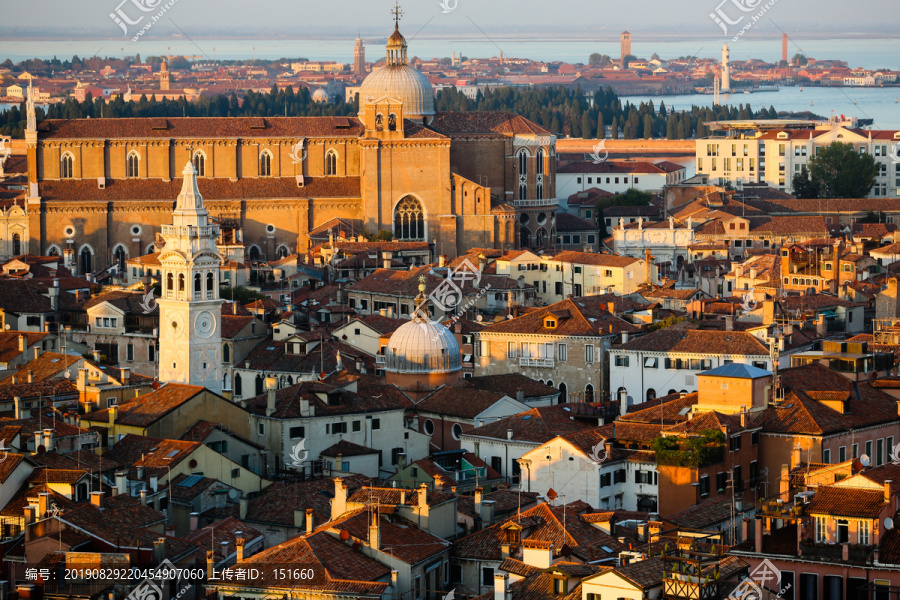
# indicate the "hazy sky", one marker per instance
pixel 286 17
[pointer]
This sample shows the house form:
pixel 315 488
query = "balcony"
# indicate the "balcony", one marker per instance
pixel 537 362
pixel 835 552
pixel 543 202
pixel 693 588
pixel 379 360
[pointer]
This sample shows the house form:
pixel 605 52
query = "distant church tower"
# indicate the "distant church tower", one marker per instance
pixel 190 310
pixel 165 78
pixel 726 69
pixel 626 46
pixel 359 57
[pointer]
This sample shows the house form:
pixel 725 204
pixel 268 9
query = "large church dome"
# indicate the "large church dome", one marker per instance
pixel 399 81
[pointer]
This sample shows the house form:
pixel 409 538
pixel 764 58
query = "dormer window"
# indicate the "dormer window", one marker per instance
pixel 550 322
pixel 513 536
pixel 560 586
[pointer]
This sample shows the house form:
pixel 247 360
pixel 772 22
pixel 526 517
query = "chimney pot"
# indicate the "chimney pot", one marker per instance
pixel 97 499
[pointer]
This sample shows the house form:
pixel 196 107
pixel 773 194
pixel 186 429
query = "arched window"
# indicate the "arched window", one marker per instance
pixel 259 385
pixel 331 163
pixel 87 260
pixel 282 251
pixel 253 254
pixel 238 388
pixel 198 283
pixel 265 164
pixel 200 163
pixel 181 282
pixel 17 244
pixel 67 166
pixel 392 122
pixel 131 164
pixel 522 159
pixel 589 393
pixel 651 394
pixel 539 178
pixel 226 355
pixel 170 282
pixel 210 282
pixel 563 393
pixel 120 256
pixel 52 251
pixel 524 237
pixel 379 122
pixel 409 220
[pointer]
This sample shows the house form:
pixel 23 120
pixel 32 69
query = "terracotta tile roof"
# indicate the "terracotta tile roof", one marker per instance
pixel 341 402
pixel 270 356
pixel 461 400
pixel 397 496
pixel 200 430
pixel 505 502
pixel 345 448
pixel 46 366
pixel 645 573
pixel 847 502
pixel 584 316
pixel 187 493
pixel 566 222
pixel 154 454
pixel 60 388
pixel 542 523
pixel 671 292
pixel 800 413
pixel 336 226
pixel 128 302
pixel 254 188
pixel 223 531
pixel 201 127
pixel 697 341
pixel 400 538
pixel 20 296
pixel 149 408
pixel 9 465
pixel 28 494
pixel 47 418
pixel 707 420
pixel 276 503
pixel 46 475
pixel 9 343
pixel 595 259
pixel 484 122
pixel 348 247
pixel 406 283
pixel 537 425
pixel 616 167
pixel 706 515
pixel 337 567
pixel 667 410
pixel 233 324
pixel 121 521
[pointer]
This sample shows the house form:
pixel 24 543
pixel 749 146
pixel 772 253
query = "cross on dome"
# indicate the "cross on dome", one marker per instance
pixel 398 14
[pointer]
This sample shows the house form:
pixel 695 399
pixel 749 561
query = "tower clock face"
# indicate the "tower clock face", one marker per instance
pixel 176 323
pixel 205 324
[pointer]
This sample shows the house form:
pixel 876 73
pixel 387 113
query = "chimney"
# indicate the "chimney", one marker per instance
pixel 244 506
pixel 339 503
pixel 509 434
pixel 195 521
pixel 785 483
pixel 113 412
pixel 97 499
pixel 478 495
pixel 23 342
pixel 43 504
pixel 143 497
pixel 140 469
pixel 758 537
pixel 30 376
pixel 159 550
pixel 796 456
pixel 729 322
pixel 309 520
pixel 654 527
pixel 96 356
pixel 82 380
pixel 30 510
pixel 887 490
pixel 520 395
pixel 423 500
pixel 120 481
pixel 743 416
pixel 487 513
pixel 37 352
pixel 441 258
pixel 624 337
pixel 17 408
pixel 210 564
pixel 386 259
pixel 298 518
pixel 38 441
pixel 239 547
pixel 375 532
pixel 154 483
pixel 501 586
pixel 271 386
pixel 126 375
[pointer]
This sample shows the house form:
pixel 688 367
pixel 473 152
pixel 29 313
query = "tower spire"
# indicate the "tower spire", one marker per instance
pixel 398 14
pixel 31 124
pixel 189 207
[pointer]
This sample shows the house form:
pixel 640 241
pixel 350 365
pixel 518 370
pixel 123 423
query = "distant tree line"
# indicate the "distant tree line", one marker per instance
pixel 275 103
pixel 568 112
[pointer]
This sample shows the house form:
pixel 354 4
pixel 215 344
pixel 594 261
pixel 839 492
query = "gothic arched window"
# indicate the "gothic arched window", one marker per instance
pixel 210 282
pixel 265 164
pixel 198 282
pixel 87 260
pixel 409 220
pixel 131 164
pixel 238 387
pixel 539 177
pixel 67 166
pixel 200 163
pixel 331 163
pixel 17 244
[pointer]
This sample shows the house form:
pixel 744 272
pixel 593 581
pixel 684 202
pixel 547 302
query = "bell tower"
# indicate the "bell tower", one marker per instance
pixel 190 310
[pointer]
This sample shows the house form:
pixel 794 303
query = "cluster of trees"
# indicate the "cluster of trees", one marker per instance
pixel 837 171
pixel 275 103
pixel 630 197
pixel 47 67
pixel 568 112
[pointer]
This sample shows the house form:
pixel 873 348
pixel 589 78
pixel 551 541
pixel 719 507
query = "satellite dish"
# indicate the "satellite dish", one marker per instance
pixel 479 318
pixel 888 523
pixel 8 327
pixel 865 460
pixel 68 374
pixel 233 494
